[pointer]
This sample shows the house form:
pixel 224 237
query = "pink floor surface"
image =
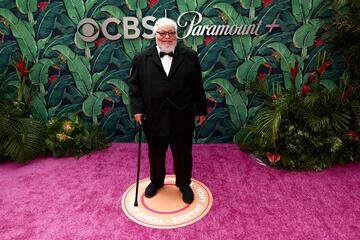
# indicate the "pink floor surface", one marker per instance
pixel 66 198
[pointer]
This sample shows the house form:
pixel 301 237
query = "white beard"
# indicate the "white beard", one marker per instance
pixel 166 49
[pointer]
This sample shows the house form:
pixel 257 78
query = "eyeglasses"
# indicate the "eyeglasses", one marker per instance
pixel 163 34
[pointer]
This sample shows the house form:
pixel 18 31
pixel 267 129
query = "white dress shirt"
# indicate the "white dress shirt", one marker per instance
pixel 165 61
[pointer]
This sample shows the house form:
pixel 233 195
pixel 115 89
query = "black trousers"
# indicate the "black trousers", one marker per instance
pixel 181 147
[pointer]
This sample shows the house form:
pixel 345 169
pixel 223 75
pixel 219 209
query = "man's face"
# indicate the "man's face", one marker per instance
pixel 166 38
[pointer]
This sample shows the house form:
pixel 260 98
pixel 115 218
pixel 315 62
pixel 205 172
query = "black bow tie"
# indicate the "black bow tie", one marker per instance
pixel 171 54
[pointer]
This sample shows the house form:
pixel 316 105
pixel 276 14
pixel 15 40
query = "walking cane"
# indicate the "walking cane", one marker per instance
pixel 138 165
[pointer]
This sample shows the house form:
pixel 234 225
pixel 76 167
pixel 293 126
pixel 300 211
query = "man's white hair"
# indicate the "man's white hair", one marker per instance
pixel 165 22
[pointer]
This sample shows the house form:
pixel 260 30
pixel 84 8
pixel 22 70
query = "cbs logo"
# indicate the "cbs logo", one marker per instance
pixel 89 30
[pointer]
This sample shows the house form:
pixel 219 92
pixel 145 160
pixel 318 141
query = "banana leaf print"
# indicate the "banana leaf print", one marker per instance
pixel 27 7
pixel 124 89
pixel 241 44
pixel 287 61
pixel 75 10
pixel 246 72
pixel 38 107
pixel 6 51
pixel 92 105
pixel 302 9
pixel 304 36
pixel 90 79
pixel 23 33
pixel 234 101
pixel 79 68
pixel 251 5
pixel 45 23
pixel 39 73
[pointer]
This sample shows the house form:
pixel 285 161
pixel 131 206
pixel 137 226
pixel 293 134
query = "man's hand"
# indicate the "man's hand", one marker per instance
pixel 200 119
pixel 138 117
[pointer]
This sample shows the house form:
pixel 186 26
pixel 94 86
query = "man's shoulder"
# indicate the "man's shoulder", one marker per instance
pixel 145 52
pixel 186 50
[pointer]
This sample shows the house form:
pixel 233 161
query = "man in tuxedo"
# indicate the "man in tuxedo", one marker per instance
pixel 167 95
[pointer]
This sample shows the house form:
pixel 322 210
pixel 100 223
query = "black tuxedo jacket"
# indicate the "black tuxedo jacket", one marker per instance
pixel 169 102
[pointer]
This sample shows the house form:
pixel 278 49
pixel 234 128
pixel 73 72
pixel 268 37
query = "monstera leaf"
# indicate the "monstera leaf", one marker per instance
pixel 305 36
pixel 246 73
pixel 75 10
pixel 79 68
pixel 234 101
pixel 23 33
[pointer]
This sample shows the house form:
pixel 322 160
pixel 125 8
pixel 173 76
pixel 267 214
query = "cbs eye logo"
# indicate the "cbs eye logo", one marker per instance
pixel 89 30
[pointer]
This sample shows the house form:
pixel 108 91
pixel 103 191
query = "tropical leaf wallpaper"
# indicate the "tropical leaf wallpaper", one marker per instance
pixel 90 79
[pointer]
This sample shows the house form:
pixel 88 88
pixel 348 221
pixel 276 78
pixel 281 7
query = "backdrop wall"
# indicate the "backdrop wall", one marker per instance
pixel 73 76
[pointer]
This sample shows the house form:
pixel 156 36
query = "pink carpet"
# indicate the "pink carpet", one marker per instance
pixel 80 199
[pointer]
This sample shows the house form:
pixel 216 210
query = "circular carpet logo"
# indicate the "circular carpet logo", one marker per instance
pixel 166 209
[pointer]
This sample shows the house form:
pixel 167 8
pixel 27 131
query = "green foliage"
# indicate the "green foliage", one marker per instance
pixel 74 138
pixel 21 137
pixel 69 75
pixel 346 23
pixel 309 128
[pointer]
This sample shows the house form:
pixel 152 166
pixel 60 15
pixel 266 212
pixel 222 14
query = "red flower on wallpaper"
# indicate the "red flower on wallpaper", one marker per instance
pixel 100 42
pixel 294 72
pixel 273 157
pixel 53 78
pixel 106 110
pixel 208 40
pixel 311 78
pixel 261 76
pixel 319 41
pixel 304 90
pixel 42 6
pixel 152 3
pixel 266 2
pixel 20 66
pixel 323 67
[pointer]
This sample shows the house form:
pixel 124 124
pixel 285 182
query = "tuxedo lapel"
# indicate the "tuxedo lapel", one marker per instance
pixel 156 58
pixel 177 60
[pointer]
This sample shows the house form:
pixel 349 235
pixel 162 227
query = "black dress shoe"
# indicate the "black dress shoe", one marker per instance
pixel 187 194
pixel 151 190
